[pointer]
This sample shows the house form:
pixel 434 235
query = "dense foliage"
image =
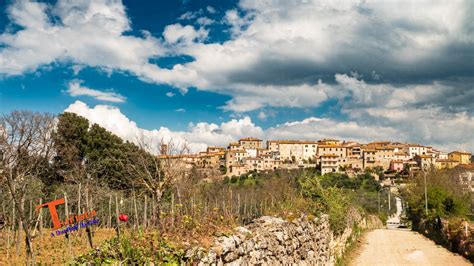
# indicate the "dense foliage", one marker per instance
pixel 445 196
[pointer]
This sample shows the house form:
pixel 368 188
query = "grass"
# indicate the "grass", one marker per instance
pixel 50 250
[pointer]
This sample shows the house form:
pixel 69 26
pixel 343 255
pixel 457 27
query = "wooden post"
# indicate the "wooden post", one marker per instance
pixel 31 212
pixel 230 203
pixel 20 226
pixel 41 222
pixel 238 204
pixel 79 199
pixel 117 228
pixel 109 223
pixel 153 218
pixel 67 217
pixel 135 222
pixel 8 243
pixel 172 209
pixel 145 222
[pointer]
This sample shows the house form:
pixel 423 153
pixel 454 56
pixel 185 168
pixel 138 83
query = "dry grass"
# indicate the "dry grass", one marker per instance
pixel 50 250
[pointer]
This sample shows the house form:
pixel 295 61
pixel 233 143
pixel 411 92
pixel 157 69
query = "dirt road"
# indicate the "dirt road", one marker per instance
pixel 403 247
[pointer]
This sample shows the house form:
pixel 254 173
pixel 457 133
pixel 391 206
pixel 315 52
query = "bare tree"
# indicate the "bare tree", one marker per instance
pixel 157 165
pixel 26 147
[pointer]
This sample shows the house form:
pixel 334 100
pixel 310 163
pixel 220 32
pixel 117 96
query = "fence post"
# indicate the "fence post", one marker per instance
pixel 145 213
pixel 117 228
pixel 67 219
pixel 172 209
pixel 109 222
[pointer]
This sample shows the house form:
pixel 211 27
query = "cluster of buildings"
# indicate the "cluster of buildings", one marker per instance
pixel 330 155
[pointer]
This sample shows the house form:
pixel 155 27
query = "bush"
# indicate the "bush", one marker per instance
pixel 445 197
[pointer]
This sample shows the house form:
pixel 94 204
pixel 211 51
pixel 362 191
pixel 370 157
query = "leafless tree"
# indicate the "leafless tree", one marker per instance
pixel 157 165
pixel 25 147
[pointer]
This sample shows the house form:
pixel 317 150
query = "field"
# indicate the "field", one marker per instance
pixel 50 250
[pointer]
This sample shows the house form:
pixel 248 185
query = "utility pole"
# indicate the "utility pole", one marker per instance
pixel 389 194
pixel 378 194
pixel 426 196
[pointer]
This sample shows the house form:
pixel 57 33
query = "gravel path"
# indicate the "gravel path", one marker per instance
pixel 403 247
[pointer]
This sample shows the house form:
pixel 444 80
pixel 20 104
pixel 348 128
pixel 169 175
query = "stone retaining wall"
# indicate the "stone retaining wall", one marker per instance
pixel 274 241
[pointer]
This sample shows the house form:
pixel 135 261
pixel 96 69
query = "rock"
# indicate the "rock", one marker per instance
pixel 274 241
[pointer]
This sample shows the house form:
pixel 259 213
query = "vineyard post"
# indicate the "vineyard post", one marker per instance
pixel 145 213
pixel 109 222
pixel 67 233
pixel 117 217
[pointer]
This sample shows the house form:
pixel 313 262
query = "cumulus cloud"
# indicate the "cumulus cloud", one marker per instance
pixel 198 136
pixel 275 45
pixel 412 76
pixel 185 34
pixel 277 48
pixel 76 89
pixel 425 127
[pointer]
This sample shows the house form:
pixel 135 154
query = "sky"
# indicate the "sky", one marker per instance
pixel 211 71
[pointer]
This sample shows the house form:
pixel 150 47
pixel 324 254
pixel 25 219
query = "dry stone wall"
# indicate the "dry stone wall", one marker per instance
pixel 274 241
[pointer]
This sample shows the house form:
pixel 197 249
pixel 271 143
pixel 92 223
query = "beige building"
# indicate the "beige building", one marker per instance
pixel 425 162
pixel 294 150
pixel 445 163
pixel 369 157
pixel 237 170
pixel 461 157
pixel 384 155
pixel 402 156
pixel 329 142
pixel 415 149
pixel 213 149
pixel 250 143
pixel 329 163
pixel 211 160
pixel 234 146
pixel 339 150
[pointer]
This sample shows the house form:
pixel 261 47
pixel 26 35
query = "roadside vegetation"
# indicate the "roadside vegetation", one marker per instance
pixel 445 215
pixel 169 208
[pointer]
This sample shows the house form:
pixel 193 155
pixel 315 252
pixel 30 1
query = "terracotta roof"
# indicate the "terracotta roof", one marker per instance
pixel 369 149
pixel 287 141
pixel 460 152
pixel 237 151
pixel 250 139
pixel 321 140
pixel 445 161
pixel 330 146
pixel 425 156
pixel 401 153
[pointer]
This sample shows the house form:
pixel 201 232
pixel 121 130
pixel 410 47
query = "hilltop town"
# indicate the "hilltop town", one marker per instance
pixel 328 155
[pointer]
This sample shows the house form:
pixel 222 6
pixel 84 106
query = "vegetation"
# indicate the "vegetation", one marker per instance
pixel 45 158
pixel 445 197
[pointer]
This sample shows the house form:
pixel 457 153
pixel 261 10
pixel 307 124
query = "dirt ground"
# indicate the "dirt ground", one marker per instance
pixel 402 247
pixel 50 250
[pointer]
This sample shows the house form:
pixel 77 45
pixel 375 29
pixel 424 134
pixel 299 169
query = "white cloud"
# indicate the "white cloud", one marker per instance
pixel 76 89
pixel 211 9
pixel 180 110
pixel 277 52
pixel 423 126
pixel 177 33
pixel 198 135
pixel 170 94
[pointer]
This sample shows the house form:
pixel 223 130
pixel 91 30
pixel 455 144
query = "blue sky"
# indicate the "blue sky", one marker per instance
pixel 212 71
